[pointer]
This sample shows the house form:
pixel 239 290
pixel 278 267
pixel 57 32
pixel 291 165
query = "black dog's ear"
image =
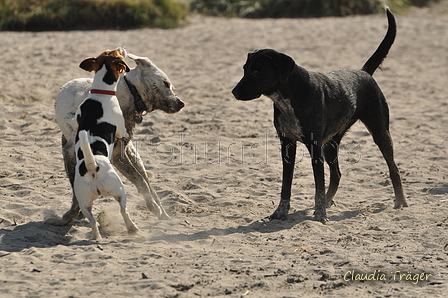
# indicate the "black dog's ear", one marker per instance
pixel 285 66
pixel 250 54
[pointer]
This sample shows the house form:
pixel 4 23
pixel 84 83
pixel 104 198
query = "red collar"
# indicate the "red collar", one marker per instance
pixel 99 91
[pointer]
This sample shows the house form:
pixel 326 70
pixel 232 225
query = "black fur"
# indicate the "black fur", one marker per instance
pixel 104 130
pixel 109 78
pixel 82 168
pixel 80 154
pixel 99 148
pixel 377 58
pixel 317 109
pixel 91 112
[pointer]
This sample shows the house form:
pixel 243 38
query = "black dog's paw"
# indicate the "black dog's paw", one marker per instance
pixel 400 203
pixel 320 215
pixel 282 211
pixel 279 215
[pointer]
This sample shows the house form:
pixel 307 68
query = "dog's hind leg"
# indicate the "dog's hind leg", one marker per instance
pixel 130 225
pixel 331 157
pixel 384 142
pixel 68 153
pixel 289 148
pixel 381 136
pixel 129 163
pixel 86 208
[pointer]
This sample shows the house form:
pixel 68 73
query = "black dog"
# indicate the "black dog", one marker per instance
pixel 317 109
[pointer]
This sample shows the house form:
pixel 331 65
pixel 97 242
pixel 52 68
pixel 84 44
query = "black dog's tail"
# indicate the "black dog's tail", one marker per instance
pixel 383 49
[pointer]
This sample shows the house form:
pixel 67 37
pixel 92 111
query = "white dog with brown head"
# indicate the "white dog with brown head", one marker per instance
pixel 99 121
pixel 142 90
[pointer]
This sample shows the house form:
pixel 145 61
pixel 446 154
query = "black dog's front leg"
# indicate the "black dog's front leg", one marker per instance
pixel 317 160
pixel 288 158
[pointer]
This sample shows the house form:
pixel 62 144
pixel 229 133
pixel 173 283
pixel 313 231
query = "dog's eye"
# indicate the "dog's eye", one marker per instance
pixel 167 85
pixel 254 72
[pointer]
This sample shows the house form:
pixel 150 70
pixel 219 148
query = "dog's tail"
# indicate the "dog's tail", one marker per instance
pixel 89 158
pixel 383 49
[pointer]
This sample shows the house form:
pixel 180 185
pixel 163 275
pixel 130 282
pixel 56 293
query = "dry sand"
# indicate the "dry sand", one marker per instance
pixel 218 172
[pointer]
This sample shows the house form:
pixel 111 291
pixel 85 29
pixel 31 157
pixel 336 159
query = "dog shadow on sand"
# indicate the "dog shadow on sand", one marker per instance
pixel 260 226
pixel 41 235
pixel 38 234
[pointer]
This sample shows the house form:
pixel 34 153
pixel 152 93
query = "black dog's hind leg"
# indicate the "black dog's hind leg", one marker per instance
pixel 384 142
pixel 288 159
pixel 377 122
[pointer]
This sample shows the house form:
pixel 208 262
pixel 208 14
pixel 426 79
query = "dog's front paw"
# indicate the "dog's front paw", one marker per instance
pixel 132 230
pixel 96 236
pixel 278 215
pixel 320 215
pixel 281 212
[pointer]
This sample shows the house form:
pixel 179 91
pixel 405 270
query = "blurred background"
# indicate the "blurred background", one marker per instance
pixel 47 15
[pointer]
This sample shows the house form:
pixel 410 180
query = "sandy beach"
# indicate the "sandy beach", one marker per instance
pixel 217 170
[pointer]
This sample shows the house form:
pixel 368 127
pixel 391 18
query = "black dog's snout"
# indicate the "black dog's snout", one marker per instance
pixel 236 91
pixel 240 92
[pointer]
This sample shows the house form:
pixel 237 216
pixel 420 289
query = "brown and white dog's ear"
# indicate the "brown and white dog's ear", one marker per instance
pixel 120 65
pixel 89 64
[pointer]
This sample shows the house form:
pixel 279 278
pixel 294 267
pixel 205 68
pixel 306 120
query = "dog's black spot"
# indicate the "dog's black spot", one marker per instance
pixel 91 111
pixel 82 169
pixel 99 148
pixel 104 130
pixel 80 154
pixel 109 78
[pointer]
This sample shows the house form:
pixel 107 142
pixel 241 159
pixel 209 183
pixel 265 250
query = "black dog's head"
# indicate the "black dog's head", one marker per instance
pixel 264 71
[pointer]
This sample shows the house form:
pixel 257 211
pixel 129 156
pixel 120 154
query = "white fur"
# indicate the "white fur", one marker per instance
pixel 111 108
pixel 158 94
pixel 101 178
pixel 150 81
pixel 89 158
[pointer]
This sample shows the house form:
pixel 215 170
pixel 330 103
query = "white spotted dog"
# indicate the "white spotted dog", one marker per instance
pixel 98 121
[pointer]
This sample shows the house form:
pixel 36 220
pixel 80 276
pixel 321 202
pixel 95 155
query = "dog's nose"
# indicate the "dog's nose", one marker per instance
pixel 235 92
pixel 123 51
pixel 180 103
